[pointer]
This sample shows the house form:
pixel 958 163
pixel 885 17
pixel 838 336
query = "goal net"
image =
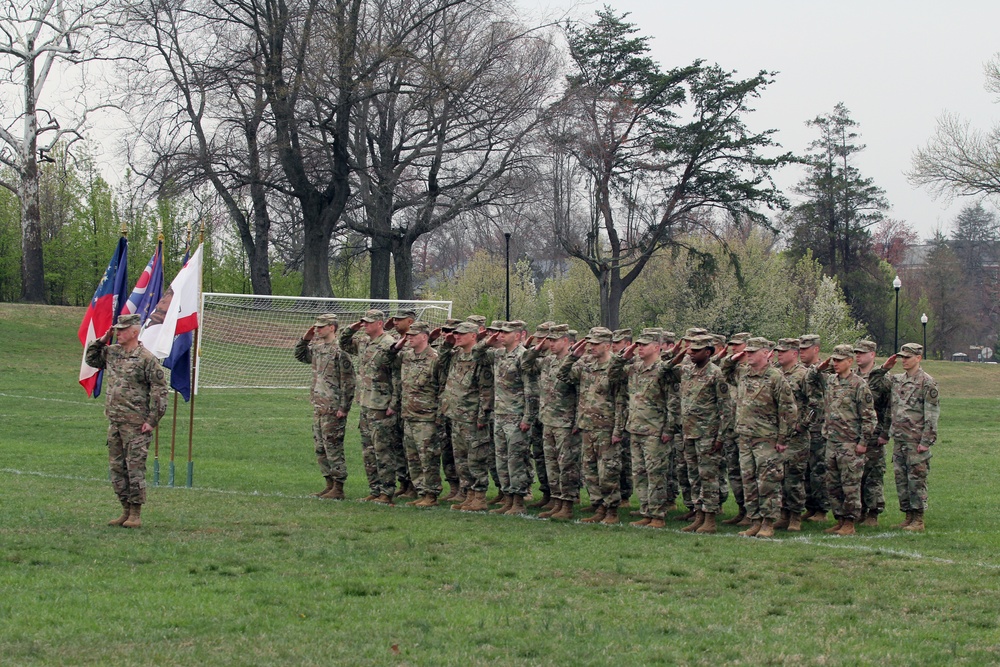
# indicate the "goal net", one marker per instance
pixel 246 341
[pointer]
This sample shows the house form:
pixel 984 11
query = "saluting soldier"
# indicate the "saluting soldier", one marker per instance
pixel 443 433
pixel 620 339
pixel 796 457
pixel 872 481
pixel 817 497
pixel 536 445
pixel 730 448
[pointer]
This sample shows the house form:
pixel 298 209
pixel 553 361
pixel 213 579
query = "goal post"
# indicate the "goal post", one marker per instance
pixel 246 340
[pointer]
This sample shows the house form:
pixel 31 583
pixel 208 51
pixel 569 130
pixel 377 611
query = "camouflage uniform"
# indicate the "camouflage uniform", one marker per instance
pixel 796 457
pixel 332 391
pixel 681 475
pixel 817 497
pixel 486 386
pixel 595 418
pixel 557 413
pixel 913 422
pixel 535 435
pixel 675 451
pixel 136 391
pixel 766 415
pixel 461 404
pixel 848 420
pixel 623 337
pixel 378 380
pixel 703 394
pixel 730 448
pixel 873 478
pixel 443 431
pixel 511 408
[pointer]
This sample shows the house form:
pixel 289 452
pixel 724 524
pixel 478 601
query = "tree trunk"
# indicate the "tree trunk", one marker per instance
pixel 32 266
pixel 612 289
pixel 316 254
pixel 381 253
pixel 402 257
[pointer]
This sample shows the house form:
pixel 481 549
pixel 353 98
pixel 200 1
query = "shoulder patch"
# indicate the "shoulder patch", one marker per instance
pixel 933 393
pixel 724 387
pixel 159 373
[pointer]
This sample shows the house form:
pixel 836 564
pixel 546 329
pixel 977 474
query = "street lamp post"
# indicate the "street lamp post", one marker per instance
pixel 896 284
pixel 506 238
pixel 923 321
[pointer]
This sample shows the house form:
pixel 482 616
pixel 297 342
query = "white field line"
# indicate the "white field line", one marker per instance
pixel 100 404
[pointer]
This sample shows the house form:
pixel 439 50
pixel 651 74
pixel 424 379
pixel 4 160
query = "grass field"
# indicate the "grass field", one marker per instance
pixel 246 569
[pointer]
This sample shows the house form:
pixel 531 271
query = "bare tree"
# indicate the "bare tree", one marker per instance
pixel 37 39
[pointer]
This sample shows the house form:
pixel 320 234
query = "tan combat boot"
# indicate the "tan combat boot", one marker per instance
pixel 610 516
pixel 735 521
pixel 542 504
pixel 407 490
pixel 429 500
pixel 766 528
pixel 644 521
pixel 454 491
pixel 687 516
pixel 871 521
pixel 699 518
pixel 498 499
pixel 754 528
pixel 818 517
pixel 565 512
pixel 329 485
pixel 907 521
pixel 794 523
pixel 598 516
pixel 834 528
pixel 708 525
pixel 476 502
pixel 384 499
pixel 657 523
pixel 807 515
pixel 124 517
pixel 370 498
pixel 917 525
pixel 549 506
pixel 517 506
pixel 847 528
pixel 782 523
pixel 556 506
pixel 508 502
pixel 134 519
pixel 336 492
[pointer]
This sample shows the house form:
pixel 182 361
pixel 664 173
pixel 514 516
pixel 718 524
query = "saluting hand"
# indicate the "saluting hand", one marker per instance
pixel 629 351
pixel 309 333
pixel 357 325
pixel 889 363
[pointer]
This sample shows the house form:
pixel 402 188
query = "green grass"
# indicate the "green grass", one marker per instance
pixel 246 569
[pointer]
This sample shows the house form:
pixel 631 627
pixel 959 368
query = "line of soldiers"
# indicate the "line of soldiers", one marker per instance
pixel 694 418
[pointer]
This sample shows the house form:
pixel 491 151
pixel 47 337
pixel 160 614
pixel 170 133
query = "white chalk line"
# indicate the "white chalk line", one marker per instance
pixel 100 404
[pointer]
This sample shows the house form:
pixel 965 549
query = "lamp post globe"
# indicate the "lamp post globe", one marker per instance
pixel 896 284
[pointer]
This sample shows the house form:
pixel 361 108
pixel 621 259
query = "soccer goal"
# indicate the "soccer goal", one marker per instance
pixel 246 341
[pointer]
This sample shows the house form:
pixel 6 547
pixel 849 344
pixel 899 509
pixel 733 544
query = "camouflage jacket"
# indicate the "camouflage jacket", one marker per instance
pixel 798 379
pixel 645 392
pixel 510 381
pixel 421 382
pixel 703 393
pixel 848 408
pixel 378 373
pixel 461 396
pixel 594 381
pixel 915 406
pixel 135 385
pixel 556 399
pixel 765 406
pixel 882 393
pixel 814 392
pixel 333 375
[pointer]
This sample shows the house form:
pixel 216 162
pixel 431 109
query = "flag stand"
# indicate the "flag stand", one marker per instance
pixel 190 461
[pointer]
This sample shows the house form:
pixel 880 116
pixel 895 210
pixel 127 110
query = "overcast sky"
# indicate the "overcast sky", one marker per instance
pixel 897 66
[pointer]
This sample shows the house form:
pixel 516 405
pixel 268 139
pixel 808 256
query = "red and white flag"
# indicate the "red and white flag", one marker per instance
pixel 177 312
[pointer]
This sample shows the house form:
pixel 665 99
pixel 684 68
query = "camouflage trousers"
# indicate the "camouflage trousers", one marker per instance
pixel 844 468
pixel 911 468
pixel 472 455
pixel 490 439
pixel 602 468
pixel 817 497
pixel 378 433
pixel 731 456
pixel 562 462
pixel 626 482
pixel 443 435
pixel 328 436
pixel 762 471
pixel 512 454
pixel 703 466
pixel 873 479
pixel 421 438
pixel 403 473
pixel 795 460
pixel 128 448
pixel 681 472
pixel 536 439
pixel 650 466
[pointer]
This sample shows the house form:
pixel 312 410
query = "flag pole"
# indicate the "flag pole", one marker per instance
pixel 194 372
pixel 156 440
pixel 173 432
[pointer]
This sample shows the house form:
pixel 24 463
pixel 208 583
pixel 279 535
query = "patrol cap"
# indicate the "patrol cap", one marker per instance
pixel 808 340
pixel 668 337
pixel 404 313
pixel 694 331
pixel 512 326
pixel 619 335
pixel 718 340
pixel 842 352
pixel 495 325
pixel 373 316
pixel 557 331
pixel 465 328
pixel 863 346
pixel 572 333
pixel 599 335
pixel 739 338
pixel 786 344
pixel 419 327
pixel 911 350
pixel 450 324
pixel 478 320
pixel 757 343
pixel 325 320
pixel 648 335
pixel 542 330
pixel 771 344
pixel 126 321
pixel 702 342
